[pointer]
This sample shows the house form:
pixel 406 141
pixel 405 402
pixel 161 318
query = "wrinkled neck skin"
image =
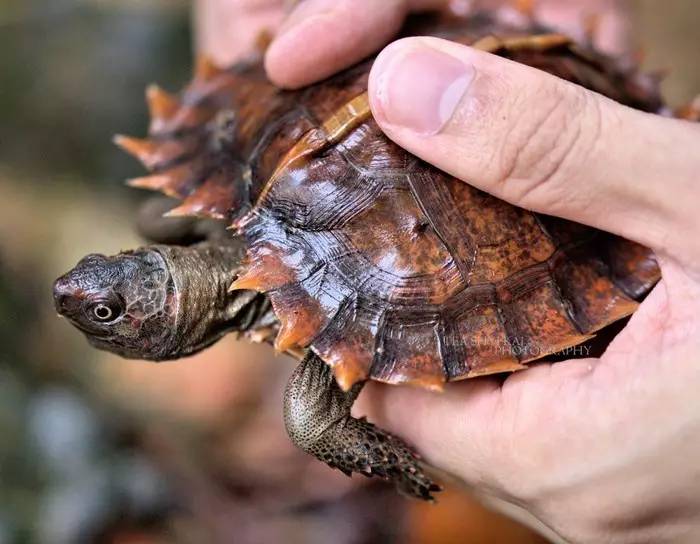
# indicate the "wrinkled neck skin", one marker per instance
pixel 201 275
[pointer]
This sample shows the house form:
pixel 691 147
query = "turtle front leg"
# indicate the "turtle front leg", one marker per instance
pixel 318 420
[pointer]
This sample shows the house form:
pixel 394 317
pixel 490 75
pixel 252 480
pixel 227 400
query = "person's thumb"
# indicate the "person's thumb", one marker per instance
pixel 540 142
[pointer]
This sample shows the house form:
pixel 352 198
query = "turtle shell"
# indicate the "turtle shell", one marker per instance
pixel 386 267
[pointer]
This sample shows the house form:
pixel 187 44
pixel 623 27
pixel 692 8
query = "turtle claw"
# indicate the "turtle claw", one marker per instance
pixel 422 492
pixel 413 482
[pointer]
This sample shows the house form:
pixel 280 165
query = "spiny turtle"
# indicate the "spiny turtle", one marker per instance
pixel 362 260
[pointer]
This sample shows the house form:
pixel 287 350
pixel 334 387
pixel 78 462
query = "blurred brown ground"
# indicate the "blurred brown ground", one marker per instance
pixel 72 74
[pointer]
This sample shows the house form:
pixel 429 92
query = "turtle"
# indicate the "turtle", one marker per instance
pixel 348 252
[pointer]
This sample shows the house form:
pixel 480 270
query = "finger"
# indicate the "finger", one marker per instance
pixel 478 429
pixel 227 30
pixel 540 142
pixel 321 37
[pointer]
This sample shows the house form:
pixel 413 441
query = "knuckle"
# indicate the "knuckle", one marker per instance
pixel 557 127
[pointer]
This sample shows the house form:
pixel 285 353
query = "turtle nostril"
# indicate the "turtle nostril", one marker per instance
pixel 62 291
pixel 60 302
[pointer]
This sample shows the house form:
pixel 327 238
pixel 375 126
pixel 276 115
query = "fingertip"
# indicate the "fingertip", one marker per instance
pixel 417 85
pixel 279 72
pixel 376 84
pixel 292 60
pixel 328 38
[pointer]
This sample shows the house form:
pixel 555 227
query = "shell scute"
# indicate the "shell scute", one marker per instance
pixel 595 301
pixel 273 142
pixel 408 351
pixel 216 196
pixel 633 267
pixel 368 152
pixel 301 315
pixel 478 341
pixel 346 343
pixel 538 321
pixel 323 101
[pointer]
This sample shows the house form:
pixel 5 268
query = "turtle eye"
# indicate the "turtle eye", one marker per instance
pixel 102 312
pixel 106 310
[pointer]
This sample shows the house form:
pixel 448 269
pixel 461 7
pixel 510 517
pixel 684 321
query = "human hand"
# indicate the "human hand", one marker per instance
pixel 599 449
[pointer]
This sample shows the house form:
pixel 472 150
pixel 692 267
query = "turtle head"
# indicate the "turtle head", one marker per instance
pixel 126 304
pixel 157 302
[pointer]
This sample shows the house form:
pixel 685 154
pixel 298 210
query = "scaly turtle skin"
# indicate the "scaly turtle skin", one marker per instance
pixel 376 264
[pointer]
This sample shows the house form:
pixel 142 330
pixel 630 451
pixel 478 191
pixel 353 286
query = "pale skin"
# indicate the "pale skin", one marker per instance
pixel 600 450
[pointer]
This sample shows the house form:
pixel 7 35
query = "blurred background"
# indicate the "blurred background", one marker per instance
pixel 98 449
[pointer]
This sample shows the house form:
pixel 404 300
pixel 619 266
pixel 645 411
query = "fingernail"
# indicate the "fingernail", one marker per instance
pixel 419 88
